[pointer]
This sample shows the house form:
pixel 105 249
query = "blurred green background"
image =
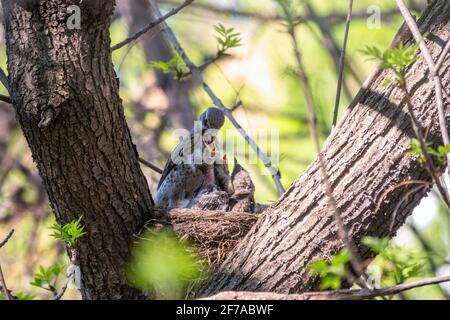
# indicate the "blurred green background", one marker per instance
pixel 256 74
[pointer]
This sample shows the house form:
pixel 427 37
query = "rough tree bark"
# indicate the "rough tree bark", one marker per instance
pixel 365 156
pixel 66 98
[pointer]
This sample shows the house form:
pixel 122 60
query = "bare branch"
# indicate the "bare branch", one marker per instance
pixel 4 80
pixel 412 25
pixel 69 277
pixel 330 43
pixel 345 294
pixel 443 55
pixel 151 165
pixel 6 239
pixel 342 230
pixel 333 17
pixel 431 168
pixel 2 278
pixel 205 64
pixel 402 34
pixel 197 74
pixel 5 99
pixel 151 25
pixel 430 254
pixel 342 62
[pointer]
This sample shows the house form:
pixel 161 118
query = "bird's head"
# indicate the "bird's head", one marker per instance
pixel 212 118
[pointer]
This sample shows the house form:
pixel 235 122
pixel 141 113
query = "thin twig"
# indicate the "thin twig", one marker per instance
pixel 412 25
pixel 401 36
pixel 205 64
pixel 431 168
pixel 373 293
pixel 342 62
pixel 70 275
pixel 197 74
pixel 329 41
pixel 401 184
pixel 342 294
pixel 3 284
pixel 430 252
pixel 443 55
pixel 4 80
pixel 151 25
pixel 333 17
pixel 6 239
pixel 5 99
pixel 399 204
pixel 151 165
pixel 342 230
pixel 2 278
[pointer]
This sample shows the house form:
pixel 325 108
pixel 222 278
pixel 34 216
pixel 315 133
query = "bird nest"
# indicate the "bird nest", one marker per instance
pixel 213 233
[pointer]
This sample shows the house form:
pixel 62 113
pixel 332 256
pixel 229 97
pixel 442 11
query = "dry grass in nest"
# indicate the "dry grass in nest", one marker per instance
pixel 214 233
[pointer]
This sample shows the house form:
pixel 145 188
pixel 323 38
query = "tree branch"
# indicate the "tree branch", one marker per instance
pixel 4 80
pixel 199 78
pixel 151 25
pixel 342 62
pixel 151 166
pixel 2 278
pixel 350 294
pixel 443 55
pixel 70 275
pixel 5 99
pixel 6 239
pixel 412 25
pixel 326 185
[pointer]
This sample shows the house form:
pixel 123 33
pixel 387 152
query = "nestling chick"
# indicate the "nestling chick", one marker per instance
pixel 243 198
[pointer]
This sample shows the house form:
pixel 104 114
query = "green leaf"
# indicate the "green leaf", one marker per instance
pixel 24 296
pixel 46 276
pixel 377 245
pixel 332 272
pixel 69 233
pixel 162 262
pixel 226 39
pixel 397 59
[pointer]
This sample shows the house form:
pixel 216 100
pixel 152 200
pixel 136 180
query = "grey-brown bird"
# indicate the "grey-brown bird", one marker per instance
pixel 183 173
pixel 243 198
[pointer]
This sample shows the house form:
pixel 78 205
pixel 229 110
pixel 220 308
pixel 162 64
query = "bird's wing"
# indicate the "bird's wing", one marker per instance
pixel 177 154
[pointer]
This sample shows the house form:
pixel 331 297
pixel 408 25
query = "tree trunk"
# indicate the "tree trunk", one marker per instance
pixel 365 157
pixel 66 97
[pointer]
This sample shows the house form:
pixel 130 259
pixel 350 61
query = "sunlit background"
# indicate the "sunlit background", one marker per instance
pixel 256 74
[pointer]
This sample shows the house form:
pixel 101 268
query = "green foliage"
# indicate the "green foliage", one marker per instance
pixel 289 10
pixel 397 59
pixel 438 155
pixel 174 66
pixel 2 296
pixel 70 232
pixel 332 272
pixel 24 296
pixel 162 264
pixel 227 38
pixel 397 263
pixel 376 244
pixel 45 278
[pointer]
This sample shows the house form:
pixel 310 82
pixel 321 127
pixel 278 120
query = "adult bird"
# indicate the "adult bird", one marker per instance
pixel 187 170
